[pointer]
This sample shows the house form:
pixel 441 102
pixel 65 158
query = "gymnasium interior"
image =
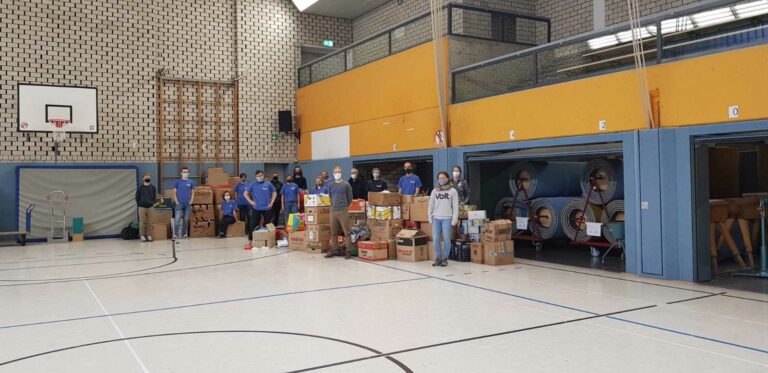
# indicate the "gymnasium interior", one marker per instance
pixel 260 186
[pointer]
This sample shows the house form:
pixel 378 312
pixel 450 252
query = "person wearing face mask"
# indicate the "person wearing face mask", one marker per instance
pixel 359 186
pixel 228 214
pixel 409 183
pixel 377 184
pixel 320 187
pixel 299 179
pixel 443 215
pixel 341 196
pixel 243 207
pixel 146 194
pixel 290 199
pixel 261 196
pixel 277 206
pixel 183 198
pixel 461 186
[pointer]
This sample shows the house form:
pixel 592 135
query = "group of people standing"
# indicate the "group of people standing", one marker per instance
pixel 265 201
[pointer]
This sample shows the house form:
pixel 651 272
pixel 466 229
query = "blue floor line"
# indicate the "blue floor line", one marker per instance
pixel 208 303
pixel 755 349
pixel 689 334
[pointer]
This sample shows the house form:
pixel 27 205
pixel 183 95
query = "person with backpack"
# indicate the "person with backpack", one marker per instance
pixel 227 214
pixel 443 215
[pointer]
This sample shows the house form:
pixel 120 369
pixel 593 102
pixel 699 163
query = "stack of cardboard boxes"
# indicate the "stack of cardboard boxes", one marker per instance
pixel 216 176
pixel 160 219
pixel 497 247
pixel 412 246
pixel 384 219
pixel 202 221
pixel 317 218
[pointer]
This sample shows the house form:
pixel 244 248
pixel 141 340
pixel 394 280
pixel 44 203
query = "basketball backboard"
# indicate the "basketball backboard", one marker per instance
pixel 41 105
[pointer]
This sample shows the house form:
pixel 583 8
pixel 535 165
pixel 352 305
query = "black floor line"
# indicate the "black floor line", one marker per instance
pixel 745 298
pixel 616 278
pixel 402 366
pixel 77 264
pixel 105 255
pixel 130 274
pixel 462 340
pixel 695 298
pixel 95 277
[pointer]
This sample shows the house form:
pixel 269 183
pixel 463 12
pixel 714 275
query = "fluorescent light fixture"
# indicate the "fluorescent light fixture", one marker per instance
pixel 751 9
pixel 603 42
pixel 303 4
pixel 713 17
pixel 676 25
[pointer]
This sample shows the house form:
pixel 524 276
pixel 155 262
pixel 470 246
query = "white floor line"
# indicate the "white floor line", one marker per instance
pixel 119 332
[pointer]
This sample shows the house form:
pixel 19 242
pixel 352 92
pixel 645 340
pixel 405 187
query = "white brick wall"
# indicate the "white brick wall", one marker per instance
pixel 616 10
pixel 118 45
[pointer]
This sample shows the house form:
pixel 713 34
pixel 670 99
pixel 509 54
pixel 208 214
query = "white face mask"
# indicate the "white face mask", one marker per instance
pixel 185 175
pixel 260 178
pixel 354 176
pixel 337 175
pixel 227 198
pixel 376 175
pixel 456 174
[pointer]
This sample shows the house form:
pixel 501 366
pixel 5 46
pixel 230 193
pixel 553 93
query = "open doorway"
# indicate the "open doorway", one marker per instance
pixel 729 181
pixel 554 181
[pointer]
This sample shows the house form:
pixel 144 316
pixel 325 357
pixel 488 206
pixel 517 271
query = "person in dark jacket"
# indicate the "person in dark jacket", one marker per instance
pixel 359 186
pixel 146 195
pixel 377 184
pixel 299 179
pixel 276 208
pixel 461 185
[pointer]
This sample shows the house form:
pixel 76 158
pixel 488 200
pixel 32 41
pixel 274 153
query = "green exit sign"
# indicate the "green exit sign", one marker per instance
pixel 328 43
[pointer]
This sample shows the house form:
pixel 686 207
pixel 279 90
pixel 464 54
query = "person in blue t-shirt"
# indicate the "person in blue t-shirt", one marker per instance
pixel 409 183
pixel 261 196
pixel 243 207
pixel 183 198
pixel 227 214
pixel 290 197
pixel 320 187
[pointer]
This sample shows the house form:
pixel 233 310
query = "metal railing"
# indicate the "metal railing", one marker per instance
pixel 704 28
pixel 462 20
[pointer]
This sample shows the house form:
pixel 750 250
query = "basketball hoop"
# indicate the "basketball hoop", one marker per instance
pixel 59 133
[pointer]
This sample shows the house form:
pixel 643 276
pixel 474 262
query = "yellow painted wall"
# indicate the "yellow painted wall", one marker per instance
pixel 695 91
pixel 388 104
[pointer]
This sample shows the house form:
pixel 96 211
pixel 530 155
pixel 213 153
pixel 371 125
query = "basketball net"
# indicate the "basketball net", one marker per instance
pixel 59 133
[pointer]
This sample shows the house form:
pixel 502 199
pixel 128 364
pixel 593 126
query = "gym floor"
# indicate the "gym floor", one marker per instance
pixel 123 306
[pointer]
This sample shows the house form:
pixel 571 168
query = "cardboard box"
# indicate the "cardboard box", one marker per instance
pixel 410 238
pixel 465 209
pixel 317 247
pixel 383 212
pixel 357 218
pixel 392 248
pixel 217 178
pixel 236 230
pixel 412 253
pixel 264 237
pixel 498 227
pixel 214 170
pixel 202 229
pixel 201 213
pixel 234 180
pixel 407 199
pixel 316 200
pixel 419 209
pixel 471 226
pixel 499 253
pixel 297 240
pixel 477 253
pixel 384 199
pixel 78 237
pixel 318 233
pixel 157 216
pixel 160 231
pixel 476 215
pixel 317 215
pixel 405 211
pixel 384 229
pixel 203 195
pixel 357 205
pixel 218 195
pixel 373 250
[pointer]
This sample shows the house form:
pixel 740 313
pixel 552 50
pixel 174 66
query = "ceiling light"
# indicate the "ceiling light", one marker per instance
pixel 752 9
pixel 713 17
pixel 303 4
